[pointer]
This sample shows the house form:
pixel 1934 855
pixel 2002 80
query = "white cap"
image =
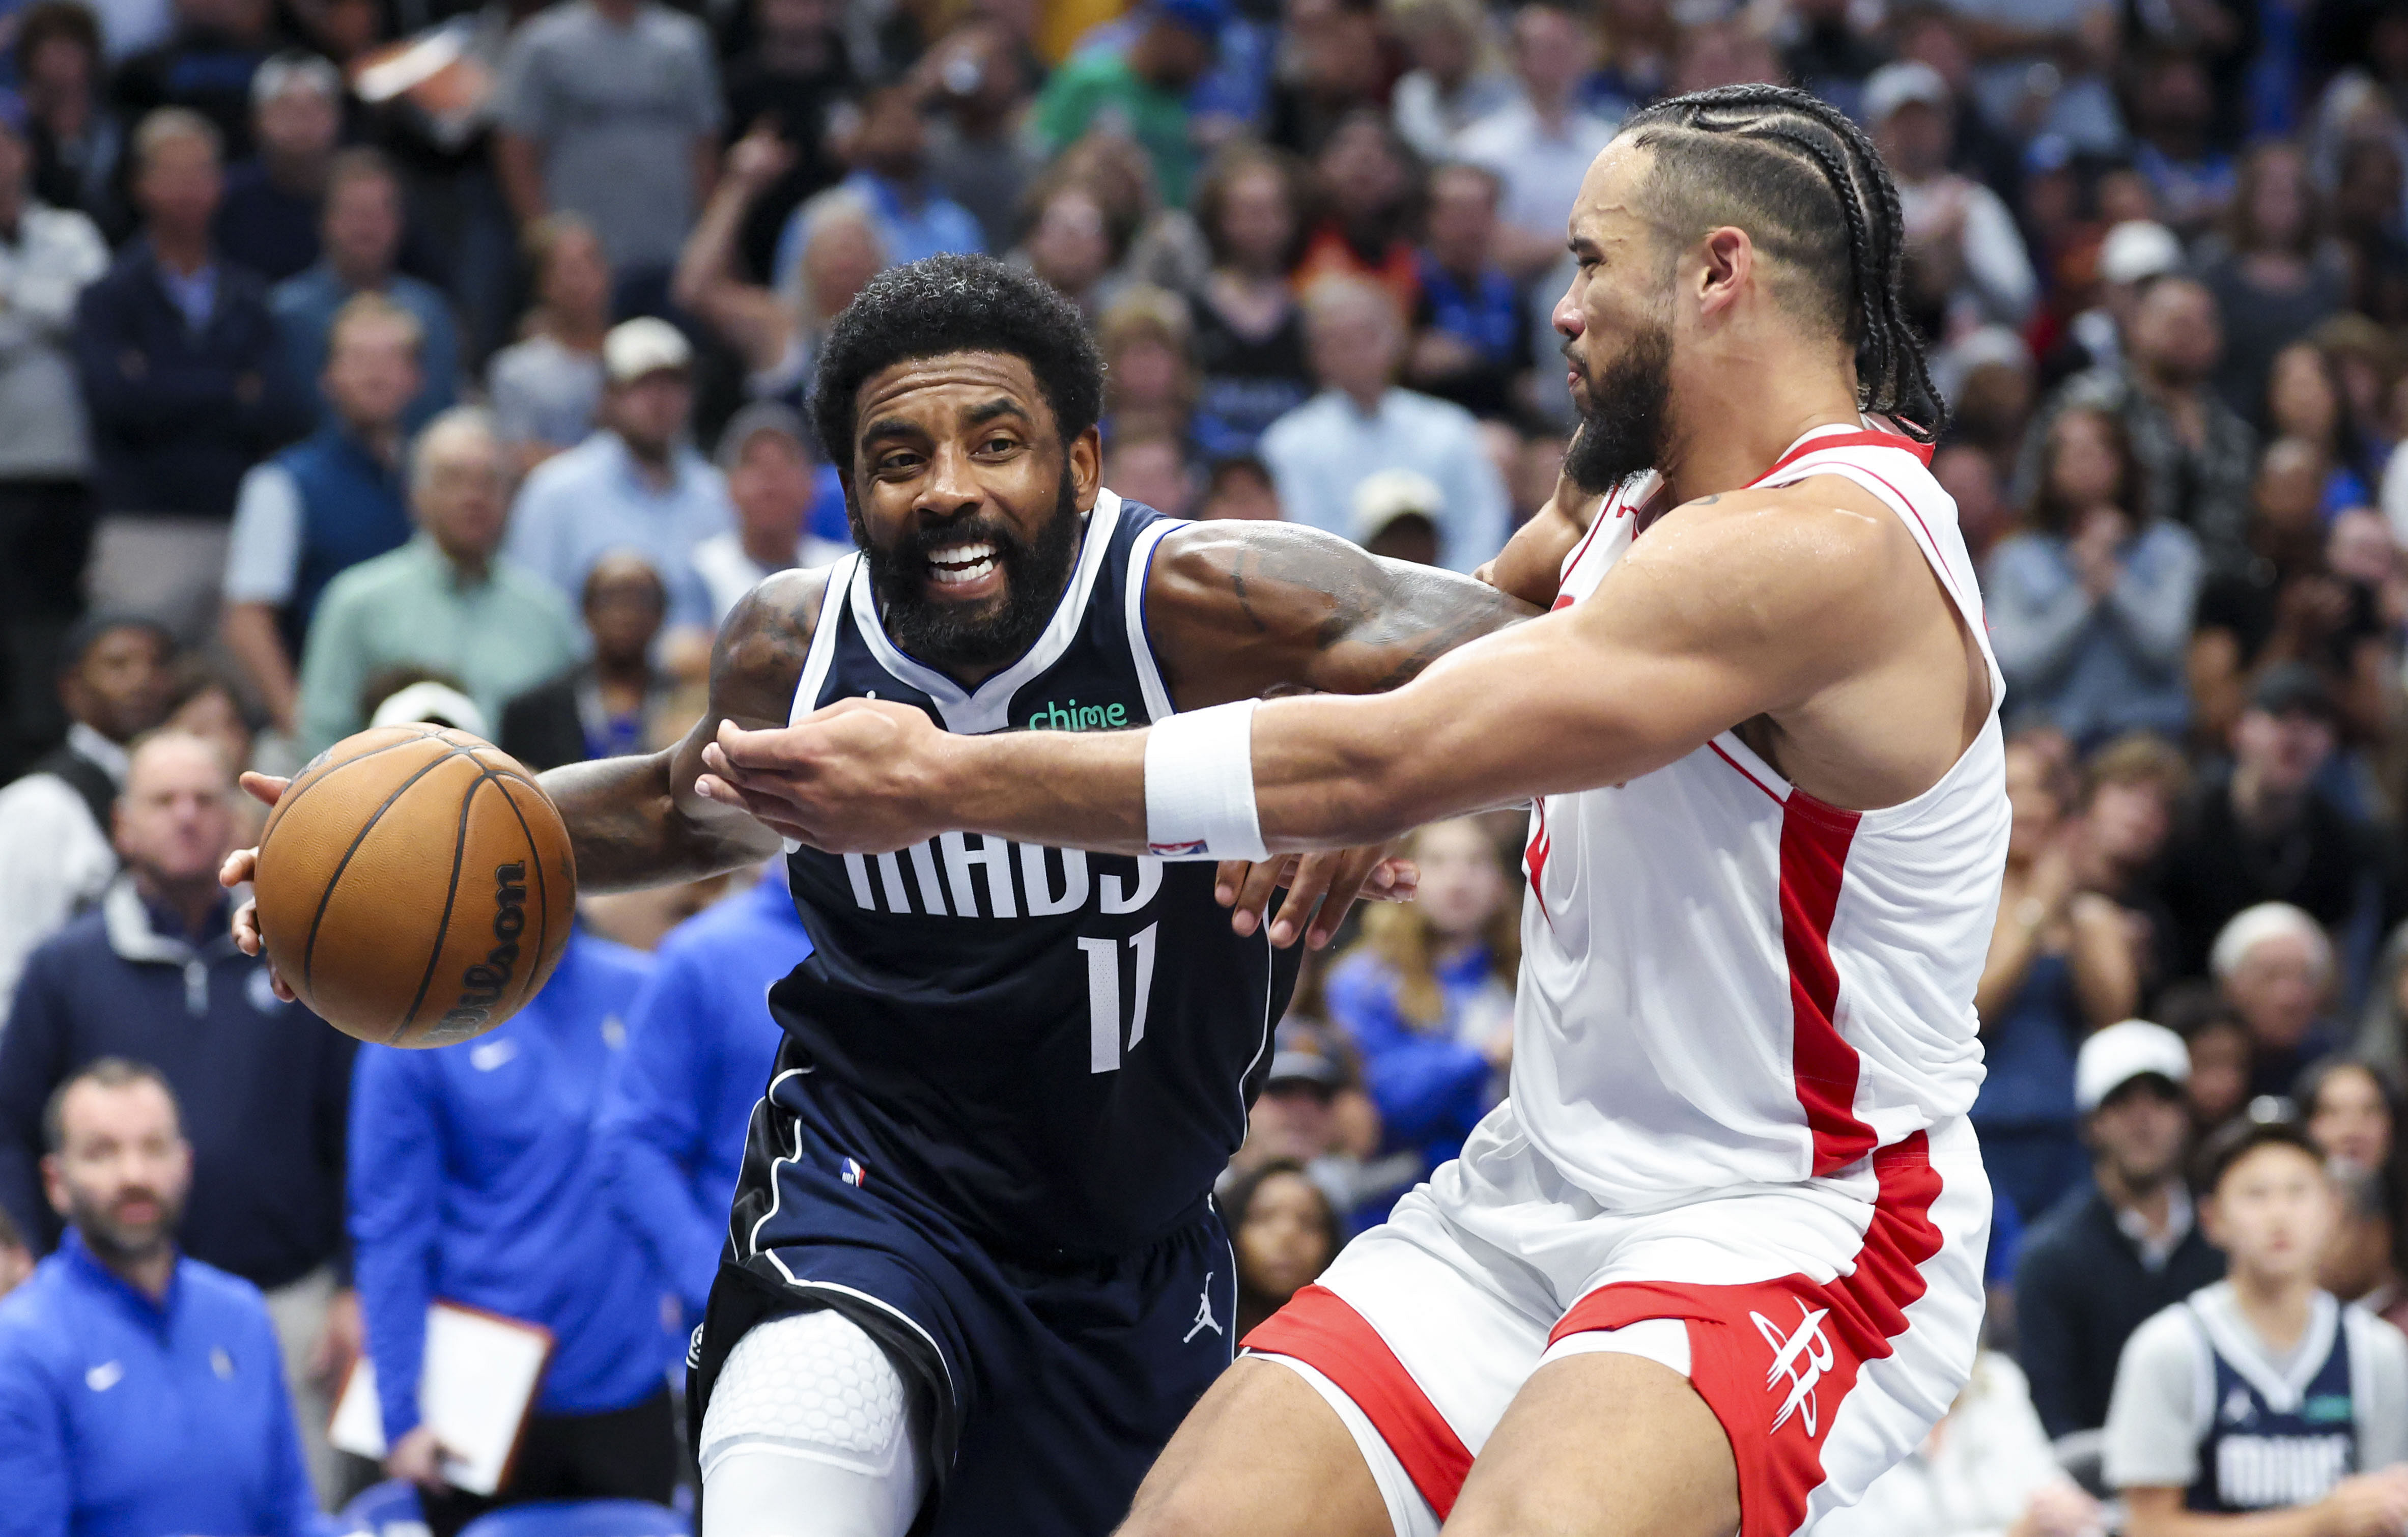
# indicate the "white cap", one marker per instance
pixel 2121 1052
pixel 1894 85
pixel 643 346
pixel 2252 926
pixel 2137 249
pixel 1385 496
pixel 431 703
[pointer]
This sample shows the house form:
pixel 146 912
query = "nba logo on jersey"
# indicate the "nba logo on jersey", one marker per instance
pixel 854 1173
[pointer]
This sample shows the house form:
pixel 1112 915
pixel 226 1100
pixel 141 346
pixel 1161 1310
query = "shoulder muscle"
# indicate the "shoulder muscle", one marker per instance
pixel 757 661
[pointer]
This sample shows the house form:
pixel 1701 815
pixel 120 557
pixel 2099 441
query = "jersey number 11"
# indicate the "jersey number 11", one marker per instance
pixel 1104 997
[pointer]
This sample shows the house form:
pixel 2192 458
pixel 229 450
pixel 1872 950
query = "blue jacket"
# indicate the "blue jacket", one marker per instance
pixel 699 1045
pixel 265 1086
pixel 1431 1088
pixel 475 1178
pixel 179 415
pixel 125 1418
pixel 305 307
pixel 353 509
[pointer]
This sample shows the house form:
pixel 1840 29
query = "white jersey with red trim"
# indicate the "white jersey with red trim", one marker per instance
pixel 1729 982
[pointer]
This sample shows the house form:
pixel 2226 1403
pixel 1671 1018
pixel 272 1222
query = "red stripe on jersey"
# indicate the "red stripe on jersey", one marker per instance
pixel 1779 1419
pixel 1317 1327
pixel 1846 440
pixel 1534 859
pixel 1814 840
pixel 1742 768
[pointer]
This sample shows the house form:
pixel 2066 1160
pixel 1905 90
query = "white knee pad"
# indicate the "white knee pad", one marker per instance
pixel 809 1433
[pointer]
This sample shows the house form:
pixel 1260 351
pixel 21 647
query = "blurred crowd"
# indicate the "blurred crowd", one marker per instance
pixel 365 362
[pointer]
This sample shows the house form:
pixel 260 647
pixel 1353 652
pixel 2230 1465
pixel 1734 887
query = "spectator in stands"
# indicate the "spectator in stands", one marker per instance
pixel 1146 464
pixel 1310 1101
pixel 323 505
pixel 1283 1232
pixel 1360 423
pixel 2261 1393
pixel 797 68
pixel 362 242
pixel 2131 257
pixel 473 1170
pixel 204 65
pixel 1541 145
pixel 2304 400
pixel 152 974
pixel 1395 516
pixel 765 451
pixel 55 855
pixel 700 1044
pixel 268 221
pixel 2221 1053
pixel 2348 1109
pixel 1455 81
pixel 2259 831
pixel 2274 964
pixel 2112 1255
pixel 1369 186
pixel 76 137
pixel 2061 966
pixel 2174 111
pixel 1148 382
pixel 636 485
pixel 1426 994
pixel 2132 789
pixel 888 149
pixel 613 703
pixel 2366 207
pixel 1143 88
pixel 611 109
pixel 185 377
pixel 2196 452
pixel 2273 276
pixel 1965 260
pixel 47 256
pixel 446 600
pixel 1241 487
pixel 977 82
pixel 140 1389
pixel 1826 47
pixel 1471 330
pixel 546 388
pixel 2090 607
pixel 1249 333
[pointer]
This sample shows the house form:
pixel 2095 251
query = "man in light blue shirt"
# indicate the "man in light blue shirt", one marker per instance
pixel 890 154
pixel 636 485
pixel 1361 424
pixel 141 1392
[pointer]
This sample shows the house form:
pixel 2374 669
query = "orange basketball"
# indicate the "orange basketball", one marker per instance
pixel 415 885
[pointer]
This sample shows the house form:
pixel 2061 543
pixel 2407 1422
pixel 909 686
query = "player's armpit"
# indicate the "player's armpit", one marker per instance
pixel 1531 566
pixel 1241 610
pixel 638 821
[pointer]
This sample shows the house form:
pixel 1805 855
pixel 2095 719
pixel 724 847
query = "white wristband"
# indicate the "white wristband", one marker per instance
pixel 1199 785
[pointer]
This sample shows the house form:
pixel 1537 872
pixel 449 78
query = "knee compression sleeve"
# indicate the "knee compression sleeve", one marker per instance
pixel 809 1433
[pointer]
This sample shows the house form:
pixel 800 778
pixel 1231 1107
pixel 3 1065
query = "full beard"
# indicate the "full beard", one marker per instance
pixel 1625 426
pixel 950 636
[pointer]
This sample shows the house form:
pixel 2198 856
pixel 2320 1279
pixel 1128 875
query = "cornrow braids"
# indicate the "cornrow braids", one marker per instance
pixel 1772 160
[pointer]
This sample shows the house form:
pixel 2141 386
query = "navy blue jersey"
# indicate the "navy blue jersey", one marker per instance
pixel 1057 1046
pixel 2275 1439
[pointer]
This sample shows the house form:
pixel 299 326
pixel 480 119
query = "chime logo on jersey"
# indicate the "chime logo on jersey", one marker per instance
pixel 1078 717
pixel 854 1173
pixel 1801 1355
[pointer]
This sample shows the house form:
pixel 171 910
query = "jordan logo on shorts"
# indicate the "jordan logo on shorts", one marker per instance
pixel 1204 1318
pixel 1803 1357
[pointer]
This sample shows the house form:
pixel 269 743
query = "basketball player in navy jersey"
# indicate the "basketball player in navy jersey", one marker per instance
pixel 973 1279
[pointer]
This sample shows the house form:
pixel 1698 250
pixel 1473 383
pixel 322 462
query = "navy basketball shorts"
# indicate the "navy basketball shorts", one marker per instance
pixel 1047 1391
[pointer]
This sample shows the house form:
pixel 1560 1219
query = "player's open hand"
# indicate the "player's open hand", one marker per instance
pixel 845 780
pixel 2373 1504
pixel 239 867
pixel 1336 879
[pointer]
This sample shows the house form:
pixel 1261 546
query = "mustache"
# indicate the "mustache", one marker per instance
pixel 925 540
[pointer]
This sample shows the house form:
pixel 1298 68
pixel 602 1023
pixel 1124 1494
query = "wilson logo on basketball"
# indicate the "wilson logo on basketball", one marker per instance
pixel 481 985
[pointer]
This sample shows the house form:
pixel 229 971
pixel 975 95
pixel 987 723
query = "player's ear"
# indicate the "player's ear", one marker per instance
pixel 1087 466
pixel 1728 266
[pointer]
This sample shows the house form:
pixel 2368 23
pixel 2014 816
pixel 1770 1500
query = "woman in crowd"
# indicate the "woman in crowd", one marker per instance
pixel 2304 400
pixel 1249 347
pixel 2222 1058
pixel 2273 275
pixel 1426 994
pixel 1149 384
pixel 1075 246
pixel 545 386
pixel 1284 1233
pixel 2090 607
pixel 2348 1108
pixel 2061 966
pixel 1370 184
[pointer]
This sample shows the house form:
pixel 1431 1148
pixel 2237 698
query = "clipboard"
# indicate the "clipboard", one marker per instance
pixel 475 1389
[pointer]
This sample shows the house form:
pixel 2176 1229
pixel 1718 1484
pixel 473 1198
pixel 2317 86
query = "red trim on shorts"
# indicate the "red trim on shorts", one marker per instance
pixel 1814 840
pixel 1775 1359
pixel 1317 1327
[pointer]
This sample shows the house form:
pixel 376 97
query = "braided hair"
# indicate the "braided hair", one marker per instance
pixel 1774 160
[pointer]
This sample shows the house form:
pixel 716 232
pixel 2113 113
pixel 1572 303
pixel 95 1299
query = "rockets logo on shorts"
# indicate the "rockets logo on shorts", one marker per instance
pixel 1801 1355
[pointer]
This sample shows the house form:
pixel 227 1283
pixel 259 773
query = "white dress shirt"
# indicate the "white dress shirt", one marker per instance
pixel 1320 452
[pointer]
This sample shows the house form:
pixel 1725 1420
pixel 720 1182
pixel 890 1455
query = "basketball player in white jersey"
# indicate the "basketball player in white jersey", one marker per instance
pixel 1717 1262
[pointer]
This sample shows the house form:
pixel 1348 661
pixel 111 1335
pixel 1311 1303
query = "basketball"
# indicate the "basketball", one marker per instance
pixel 415 885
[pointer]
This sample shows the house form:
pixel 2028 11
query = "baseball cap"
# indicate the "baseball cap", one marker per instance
pixel 2120 1053
pixel 1386 496
pixel 1894 85
pixel 643 346
pixel 2289 686
pixel 1300 1067
pixel 2138 250
pixel 85 632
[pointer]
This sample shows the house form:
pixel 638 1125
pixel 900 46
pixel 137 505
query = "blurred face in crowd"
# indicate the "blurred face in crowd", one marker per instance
pixel 838 261
pixel 2128 822
pixel 1355 343
pixel 1147 370
pixel 892 140
pixel 213 715
pixel 363 227
pixel 2220 1057
pixel 1915 140
pixel 178 184
pixel 2350 1119
pixel 1360 169
pixel 2175 102
pixel 2138 1133
pixel 2287 496
pixel 2283 753
pixel 770 485
pixel 1551 51
pixel 1723 53
pixel 624 604
pixel 372 370
pixel 2279 988
pixel 794 19
pixel 967 505
pixel 575 278
pixel 459 489
pixel 1070 246
pixel 1241 492
pixel 2358 548
pixel 2368 196
pixel 1462 219
pixel 1969 476
pixel 121 1171
pixel 2278 203
pixel 2032 797
pixel 2175 334
pixel 1292 1118
pixel 1151 470
pixel 119 687
pixel 1463 882
pixel 2083 468
pixel 650 412
pixel 1440 43
pixel 174 819
pixel 1284 1243
pixel 1934 40
pixel 1257 224
pixel 297 126
pixel 1174 56
pixel 2300 399
pixel 59 73
pixel 2273 1213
